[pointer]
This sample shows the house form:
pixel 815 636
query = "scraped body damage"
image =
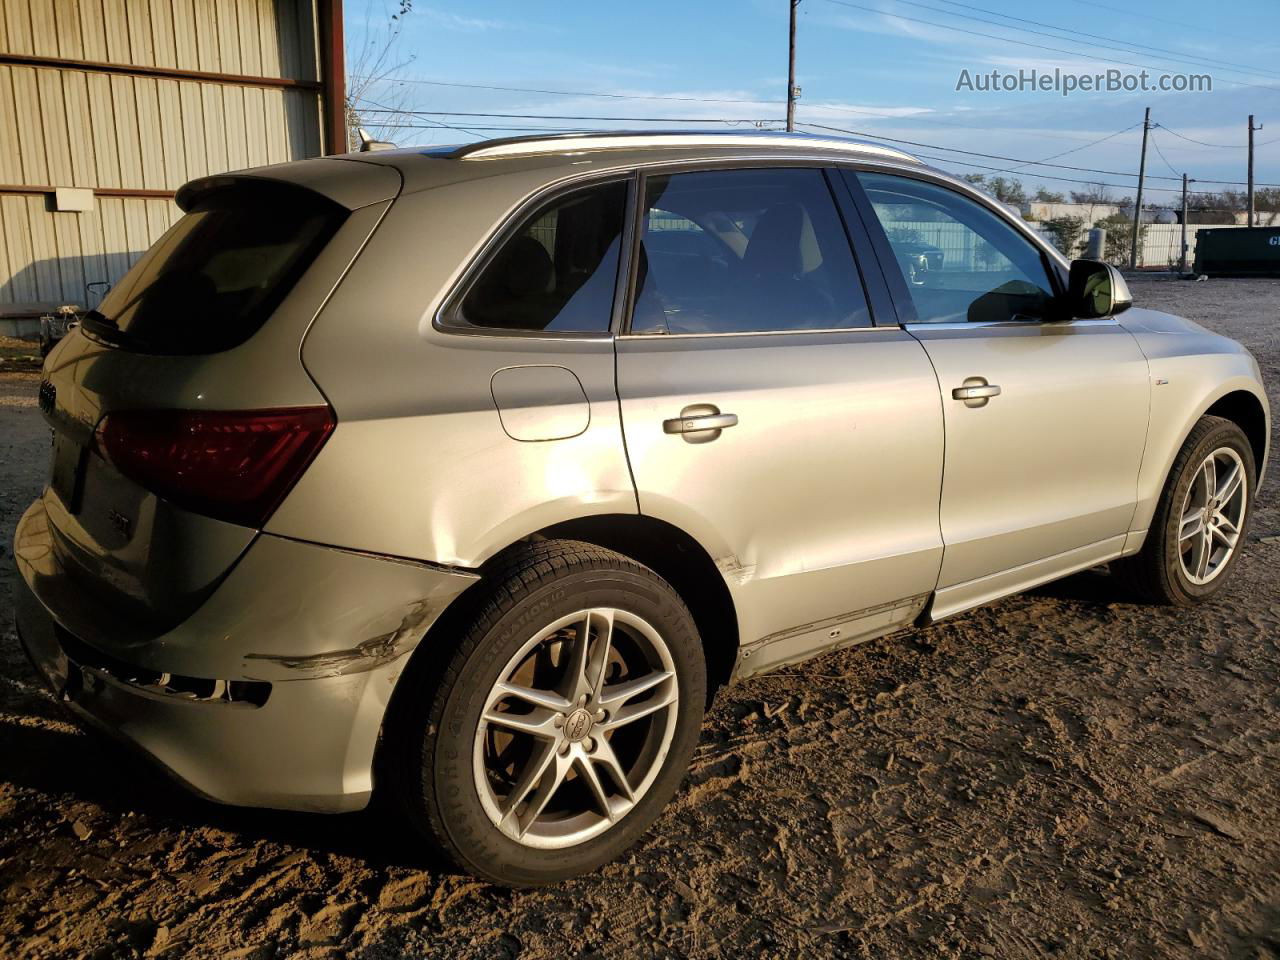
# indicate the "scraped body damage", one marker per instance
pixel 328 630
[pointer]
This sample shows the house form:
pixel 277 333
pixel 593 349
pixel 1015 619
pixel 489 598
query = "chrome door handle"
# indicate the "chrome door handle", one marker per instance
pixel 975 392
pixel 699 423
pixel 708 421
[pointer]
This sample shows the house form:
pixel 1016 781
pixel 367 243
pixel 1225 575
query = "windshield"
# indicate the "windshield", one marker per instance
pixel 212 280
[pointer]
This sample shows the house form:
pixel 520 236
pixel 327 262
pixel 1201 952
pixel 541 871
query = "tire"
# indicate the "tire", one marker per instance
pixel 1165 571
pixel 460 751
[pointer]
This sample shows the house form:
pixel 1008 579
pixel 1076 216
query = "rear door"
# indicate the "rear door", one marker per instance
pixel 1045 419
pixel 767 415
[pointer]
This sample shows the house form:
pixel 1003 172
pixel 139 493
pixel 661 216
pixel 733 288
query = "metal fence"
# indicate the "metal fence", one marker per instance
pixel 1159 244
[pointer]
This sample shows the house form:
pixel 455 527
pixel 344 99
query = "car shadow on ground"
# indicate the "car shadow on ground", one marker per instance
pixel 1093 587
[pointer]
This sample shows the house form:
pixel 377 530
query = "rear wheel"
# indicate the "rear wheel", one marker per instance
pixel 562 723
pixel 1199 527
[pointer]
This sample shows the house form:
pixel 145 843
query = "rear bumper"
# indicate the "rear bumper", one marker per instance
pixel 271 694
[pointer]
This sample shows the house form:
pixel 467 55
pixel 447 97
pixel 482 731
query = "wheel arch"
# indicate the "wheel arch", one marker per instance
pixel 1238 398
pixel 1246 411
pixel 666 549
pixel 684 563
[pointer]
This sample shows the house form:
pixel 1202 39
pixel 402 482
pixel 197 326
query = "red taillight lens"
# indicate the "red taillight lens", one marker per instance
pixel 232 465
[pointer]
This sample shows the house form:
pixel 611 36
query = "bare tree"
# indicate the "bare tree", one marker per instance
pixel 1092 196
pixel 374 60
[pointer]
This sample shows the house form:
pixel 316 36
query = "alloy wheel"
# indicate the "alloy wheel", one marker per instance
pixel 1212 516
pixel 576 728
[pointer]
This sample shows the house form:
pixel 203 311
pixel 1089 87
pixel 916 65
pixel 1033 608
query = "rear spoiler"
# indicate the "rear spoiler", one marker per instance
pixel 349 184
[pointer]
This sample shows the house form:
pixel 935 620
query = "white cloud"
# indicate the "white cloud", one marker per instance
pixel 454 21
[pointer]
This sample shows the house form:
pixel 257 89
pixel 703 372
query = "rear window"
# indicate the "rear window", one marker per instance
pixel 557 271
pixel 212 280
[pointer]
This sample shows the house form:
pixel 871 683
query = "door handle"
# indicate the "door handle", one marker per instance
pixel 975 392
pixel 699 423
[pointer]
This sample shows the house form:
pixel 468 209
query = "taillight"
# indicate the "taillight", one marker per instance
pixel 232 465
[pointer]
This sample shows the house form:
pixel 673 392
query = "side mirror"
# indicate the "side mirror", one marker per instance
pixel 1096 289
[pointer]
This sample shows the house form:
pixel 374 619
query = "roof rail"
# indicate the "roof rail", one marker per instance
pixel 669 139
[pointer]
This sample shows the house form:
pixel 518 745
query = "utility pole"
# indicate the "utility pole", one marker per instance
pixel 791 73
pixel 1137 207
pixel 1183 259
pixel 1252 128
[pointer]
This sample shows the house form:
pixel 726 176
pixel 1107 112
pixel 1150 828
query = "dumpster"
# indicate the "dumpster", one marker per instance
pixel 1238 252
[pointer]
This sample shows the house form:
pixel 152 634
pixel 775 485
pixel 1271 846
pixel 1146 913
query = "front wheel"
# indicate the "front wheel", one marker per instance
pixel 563 722
pixel 1199 527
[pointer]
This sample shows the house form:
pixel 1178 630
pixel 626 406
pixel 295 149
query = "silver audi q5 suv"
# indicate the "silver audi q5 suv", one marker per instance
pixel 470 473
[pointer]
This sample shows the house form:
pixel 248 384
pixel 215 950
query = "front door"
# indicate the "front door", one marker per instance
pixel 1045 420
pixel 765 415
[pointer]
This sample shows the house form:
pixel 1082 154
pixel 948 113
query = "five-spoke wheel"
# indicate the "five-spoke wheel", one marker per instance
pixel 1212 515
pixel 575 729
pixel 560 719
pixel 1198 530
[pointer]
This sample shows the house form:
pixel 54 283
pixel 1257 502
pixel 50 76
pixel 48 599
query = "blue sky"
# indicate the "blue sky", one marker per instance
pixel 883 68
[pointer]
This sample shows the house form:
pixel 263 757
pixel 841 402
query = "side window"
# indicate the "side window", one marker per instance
pixel 735 251
pixel 961 262
pixel 557 271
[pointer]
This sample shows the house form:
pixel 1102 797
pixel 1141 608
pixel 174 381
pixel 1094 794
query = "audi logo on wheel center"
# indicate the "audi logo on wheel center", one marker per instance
pixel 576 725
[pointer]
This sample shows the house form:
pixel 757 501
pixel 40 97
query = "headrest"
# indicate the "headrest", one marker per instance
pixel 783 242
pixel 523 267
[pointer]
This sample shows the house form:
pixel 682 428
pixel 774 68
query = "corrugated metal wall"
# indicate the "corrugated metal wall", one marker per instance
pixel 82 127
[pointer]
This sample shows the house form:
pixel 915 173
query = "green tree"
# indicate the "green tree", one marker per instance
pixel 1065 233
pixel 1119 229
pixel 1007 190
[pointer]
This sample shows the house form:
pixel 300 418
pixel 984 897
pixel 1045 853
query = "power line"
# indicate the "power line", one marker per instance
pixel 489 129
pixel 1049 176
pixel 1181 136
pixel 1160 152
pixel 838 108
pixel 1091 143
pixel 439 123
pixel 1176 54
pixel 1062 166
pixel 575 93
pixel 976 153
pixel 555 116
pixel 861 133
pixel 427 115
pixel 913 118
pixel 1199 27
pixel 1021 43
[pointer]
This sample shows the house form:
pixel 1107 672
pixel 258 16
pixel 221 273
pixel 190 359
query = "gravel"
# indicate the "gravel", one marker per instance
pixel 1063 773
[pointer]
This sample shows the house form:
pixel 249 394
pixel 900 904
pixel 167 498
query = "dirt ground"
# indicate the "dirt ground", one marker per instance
pixel 1061 774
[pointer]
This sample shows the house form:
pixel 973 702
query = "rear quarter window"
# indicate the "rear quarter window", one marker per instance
pixel 216 275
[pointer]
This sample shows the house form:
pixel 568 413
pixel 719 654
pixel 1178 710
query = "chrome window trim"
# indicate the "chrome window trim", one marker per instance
pixel 923 325
pixel 759 333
